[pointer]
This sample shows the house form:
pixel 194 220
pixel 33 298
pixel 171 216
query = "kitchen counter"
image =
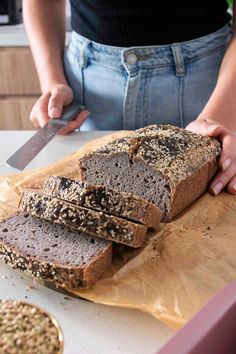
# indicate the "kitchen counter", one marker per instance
pixel 15 36
pixel 88 328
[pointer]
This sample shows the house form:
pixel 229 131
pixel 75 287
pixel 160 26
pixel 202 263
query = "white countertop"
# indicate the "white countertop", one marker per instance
pixel 88 328
pixel 15 36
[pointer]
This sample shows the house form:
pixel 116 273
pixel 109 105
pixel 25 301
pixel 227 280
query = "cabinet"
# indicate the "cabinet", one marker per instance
pixel 19 88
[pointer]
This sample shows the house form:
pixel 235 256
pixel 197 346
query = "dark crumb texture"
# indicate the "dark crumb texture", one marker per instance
pixel 166 165
pixel 52 252
pixel 101 198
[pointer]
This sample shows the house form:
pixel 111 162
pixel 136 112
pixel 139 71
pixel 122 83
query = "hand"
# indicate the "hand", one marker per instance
pixel 50 105
pixel 227 176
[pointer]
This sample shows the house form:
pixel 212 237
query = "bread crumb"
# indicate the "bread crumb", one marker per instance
pixel 30 286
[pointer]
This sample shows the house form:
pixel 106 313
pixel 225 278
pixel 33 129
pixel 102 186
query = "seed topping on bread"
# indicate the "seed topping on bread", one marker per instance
pixel 168 149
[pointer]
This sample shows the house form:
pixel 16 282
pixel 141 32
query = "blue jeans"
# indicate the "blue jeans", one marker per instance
pixel 128 88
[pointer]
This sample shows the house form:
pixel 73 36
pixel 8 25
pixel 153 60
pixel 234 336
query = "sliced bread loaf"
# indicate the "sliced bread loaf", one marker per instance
pixel 166 165
pixel 101 198
pixel 53 253
pixel 82 219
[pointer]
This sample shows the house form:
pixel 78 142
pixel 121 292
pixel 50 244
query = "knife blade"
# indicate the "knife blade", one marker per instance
pixel 27 152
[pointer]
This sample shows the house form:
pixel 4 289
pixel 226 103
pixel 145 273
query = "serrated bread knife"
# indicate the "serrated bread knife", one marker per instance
pixel 27 152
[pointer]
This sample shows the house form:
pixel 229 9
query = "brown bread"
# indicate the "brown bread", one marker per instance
pixel 166 165
pixel 53 253
pixel 82 219
pixel 101 198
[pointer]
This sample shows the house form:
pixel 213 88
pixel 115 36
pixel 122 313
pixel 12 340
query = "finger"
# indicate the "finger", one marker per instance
pixel 43 118
pixel 222 179
pixel 217 131
pixel 76 123
pixel 55 105
pixel 33 117
pixel 40 119
pixel 196 127
pixel 61 95
pixel 38 115
pixel 231 188
pixel 34 121
pixel 203 127
pixel 228 151
pixel 227 138
pixel 228 142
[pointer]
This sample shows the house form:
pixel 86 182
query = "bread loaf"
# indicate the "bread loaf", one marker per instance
pixel 82 219
pixel 166 165
pixel 101 198
pixel 53 253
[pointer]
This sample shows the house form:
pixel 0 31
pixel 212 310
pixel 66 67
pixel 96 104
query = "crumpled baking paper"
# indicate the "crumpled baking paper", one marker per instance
pixel 182 265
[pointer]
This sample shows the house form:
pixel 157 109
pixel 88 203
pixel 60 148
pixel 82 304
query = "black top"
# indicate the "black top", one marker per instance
pixel 145 22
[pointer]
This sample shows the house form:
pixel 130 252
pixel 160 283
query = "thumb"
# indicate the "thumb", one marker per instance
pixel 203 127
pixel 215 131
pixel 61 96
pixel 55 105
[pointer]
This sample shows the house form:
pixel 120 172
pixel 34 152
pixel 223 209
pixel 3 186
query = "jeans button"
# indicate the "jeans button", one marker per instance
pixel 131 59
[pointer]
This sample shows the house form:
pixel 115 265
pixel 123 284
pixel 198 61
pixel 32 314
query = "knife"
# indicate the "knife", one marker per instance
pixel 26 153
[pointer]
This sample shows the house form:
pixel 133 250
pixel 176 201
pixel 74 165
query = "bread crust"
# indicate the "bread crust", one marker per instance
pixel 191 189
pixel 101 198
pixel 59 274
pixel 82 219
pixel 185 160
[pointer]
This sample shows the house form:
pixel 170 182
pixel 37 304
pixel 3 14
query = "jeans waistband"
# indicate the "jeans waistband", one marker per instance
pixel 133 58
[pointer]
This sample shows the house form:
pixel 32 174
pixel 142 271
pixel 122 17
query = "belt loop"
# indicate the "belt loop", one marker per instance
pixel 82 65
pixel 123 55
pixel 83 49
pixel 179 60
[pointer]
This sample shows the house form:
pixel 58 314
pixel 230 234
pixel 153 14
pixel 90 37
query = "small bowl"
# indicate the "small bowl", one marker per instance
pixel 43 312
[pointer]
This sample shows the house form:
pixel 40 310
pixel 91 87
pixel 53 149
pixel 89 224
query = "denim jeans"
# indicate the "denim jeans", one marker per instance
pixel 128 88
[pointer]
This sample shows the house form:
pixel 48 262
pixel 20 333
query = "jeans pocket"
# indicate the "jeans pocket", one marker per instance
pixel 73 72
pixel 199 83
pixel 163 94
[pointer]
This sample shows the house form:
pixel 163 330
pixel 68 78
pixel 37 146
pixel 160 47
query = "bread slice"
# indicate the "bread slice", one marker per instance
pixel 53 253
pixel 101 198
pixel 82 219
pixel 166 165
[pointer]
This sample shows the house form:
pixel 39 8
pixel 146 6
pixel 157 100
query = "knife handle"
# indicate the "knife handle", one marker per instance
pixel 71 111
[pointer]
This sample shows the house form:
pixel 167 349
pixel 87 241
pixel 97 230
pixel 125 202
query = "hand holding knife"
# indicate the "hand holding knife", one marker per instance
pixel 22 157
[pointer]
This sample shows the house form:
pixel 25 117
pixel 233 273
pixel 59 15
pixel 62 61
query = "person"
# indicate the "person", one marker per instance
pixel 134 63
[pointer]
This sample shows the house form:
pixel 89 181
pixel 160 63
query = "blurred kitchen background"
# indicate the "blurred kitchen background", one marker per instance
pixel 19 85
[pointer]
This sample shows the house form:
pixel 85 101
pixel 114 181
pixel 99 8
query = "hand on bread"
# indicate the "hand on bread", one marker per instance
pixel 50 105
pixel 227 176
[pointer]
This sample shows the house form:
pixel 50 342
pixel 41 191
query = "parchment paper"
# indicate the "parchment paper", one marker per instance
pixel 180 269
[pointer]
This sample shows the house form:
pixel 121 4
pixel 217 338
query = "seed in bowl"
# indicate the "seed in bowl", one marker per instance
pixel 27 329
